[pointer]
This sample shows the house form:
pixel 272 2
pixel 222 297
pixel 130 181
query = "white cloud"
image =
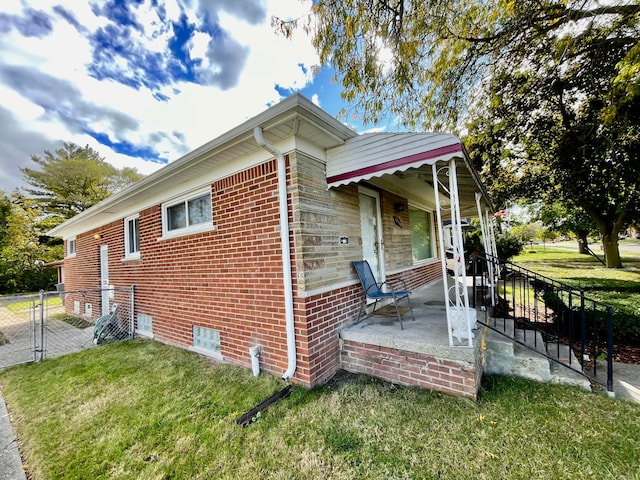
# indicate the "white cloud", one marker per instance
pixel 134 116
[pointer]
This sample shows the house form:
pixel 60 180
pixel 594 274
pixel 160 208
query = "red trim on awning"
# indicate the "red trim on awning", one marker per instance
pixel 397 163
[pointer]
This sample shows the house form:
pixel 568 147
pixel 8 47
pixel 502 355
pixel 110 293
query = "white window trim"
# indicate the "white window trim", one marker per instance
pixel 130 255
pixel 207 353
pixel 201 227
pixel 434 253
pixel 75 247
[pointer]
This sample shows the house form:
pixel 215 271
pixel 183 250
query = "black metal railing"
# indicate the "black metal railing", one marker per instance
pixel 562 314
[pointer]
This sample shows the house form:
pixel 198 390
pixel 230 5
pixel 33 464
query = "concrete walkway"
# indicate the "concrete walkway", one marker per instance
pixel 626 379
pixel 10 461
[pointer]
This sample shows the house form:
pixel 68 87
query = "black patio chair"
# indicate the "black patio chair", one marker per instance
pixel 373 290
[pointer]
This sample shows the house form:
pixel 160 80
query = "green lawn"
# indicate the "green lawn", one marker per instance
pixel 142 410
pixel 24 305
pixel 619 288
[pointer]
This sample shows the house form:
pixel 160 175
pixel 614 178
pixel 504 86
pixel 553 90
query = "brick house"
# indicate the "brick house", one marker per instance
pixel 248 240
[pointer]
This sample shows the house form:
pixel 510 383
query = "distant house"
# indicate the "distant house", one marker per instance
pixel 248 240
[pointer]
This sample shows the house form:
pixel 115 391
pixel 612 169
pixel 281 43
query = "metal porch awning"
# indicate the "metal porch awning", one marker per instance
pixel 399 156
pixel 371 155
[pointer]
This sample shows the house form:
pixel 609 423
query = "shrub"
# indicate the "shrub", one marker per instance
pixel 507 247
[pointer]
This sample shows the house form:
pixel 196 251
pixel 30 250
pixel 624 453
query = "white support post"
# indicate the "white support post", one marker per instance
pixel 443 255
pixel 494 257
pixel 460 318
pixel 489 247
pixel 464 314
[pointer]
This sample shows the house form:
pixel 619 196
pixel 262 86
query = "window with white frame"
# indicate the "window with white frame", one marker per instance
pixel 190 213
pixel 421 234
pixel 132 237
pixel 206 340
pixel 71 247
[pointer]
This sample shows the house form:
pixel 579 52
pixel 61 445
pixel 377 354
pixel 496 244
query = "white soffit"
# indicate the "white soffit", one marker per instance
pixel 375 154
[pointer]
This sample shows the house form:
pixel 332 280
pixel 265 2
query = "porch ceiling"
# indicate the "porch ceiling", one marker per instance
pixel 402 163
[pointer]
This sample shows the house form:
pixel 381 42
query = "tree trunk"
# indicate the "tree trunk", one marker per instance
pixel 611 251
pixel 583 243
pixel 609 227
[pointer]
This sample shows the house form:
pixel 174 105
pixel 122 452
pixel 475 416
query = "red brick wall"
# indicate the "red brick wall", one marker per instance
pixel 229 279
pixel 418 276
pixel 411 368
pixel 82 272
pixel 325 314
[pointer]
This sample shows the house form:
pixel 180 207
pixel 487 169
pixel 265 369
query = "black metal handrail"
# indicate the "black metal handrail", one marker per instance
pixel 563 314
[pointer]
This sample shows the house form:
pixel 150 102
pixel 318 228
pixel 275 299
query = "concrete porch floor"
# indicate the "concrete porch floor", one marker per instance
pixel 426 335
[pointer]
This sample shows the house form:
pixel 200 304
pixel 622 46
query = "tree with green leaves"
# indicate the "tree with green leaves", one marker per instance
pixel 553 87
pixel 426 61
pixel 567 221
pixel 65 182
pixel 567 133
pixel 72 179
pixel 5 211
pixel 24 252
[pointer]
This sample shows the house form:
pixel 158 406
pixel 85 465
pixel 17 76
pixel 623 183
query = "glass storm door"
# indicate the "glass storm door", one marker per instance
pixel 371 231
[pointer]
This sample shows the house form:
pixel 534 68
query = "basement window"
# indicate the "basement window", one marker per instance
pixel 206 341
pixel 144 325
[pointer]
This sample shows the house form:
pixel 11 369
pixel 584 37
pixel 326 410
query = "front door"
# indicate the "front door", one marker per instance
pixel 104 278
pixel 370 223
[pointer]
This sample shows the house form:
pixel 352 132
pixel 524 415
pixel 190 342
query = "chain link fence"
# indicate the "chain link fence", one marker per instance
pixel 50 324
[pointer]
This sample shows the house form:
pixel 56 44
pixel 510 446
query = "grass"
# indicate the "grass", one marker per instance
pixel 25 305
pixel 616 287
pixel 72 320
pixel 139 409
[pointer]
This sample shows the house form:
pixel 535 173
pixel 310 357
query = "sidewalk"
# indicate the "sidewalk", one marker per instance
pixel 10 461
pixel 626 379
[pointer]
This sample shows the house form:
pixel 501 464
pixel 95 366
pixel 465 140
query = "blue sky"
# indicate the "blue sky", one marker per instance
pixel 144 81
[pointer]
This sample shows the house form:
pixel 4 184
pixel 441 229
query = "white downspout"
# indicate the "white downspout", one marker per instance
pixel 286 250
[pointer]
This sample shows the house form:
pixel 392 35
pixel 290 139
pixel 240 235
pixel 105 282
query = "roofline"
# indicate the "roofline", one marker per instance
pixel 297 103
